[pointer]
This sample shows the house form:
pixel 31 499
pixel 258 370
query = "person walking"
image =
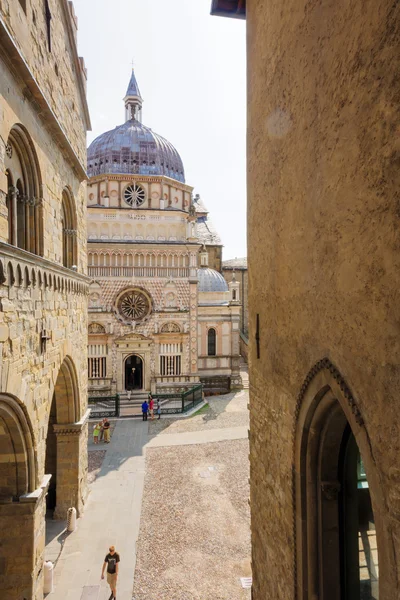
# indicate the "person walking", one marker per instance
pixel 145 408
pixel 129 394
pixel 106 430
pixel 159 409
pixel 151 406
pixel 111 561
pixel 96 432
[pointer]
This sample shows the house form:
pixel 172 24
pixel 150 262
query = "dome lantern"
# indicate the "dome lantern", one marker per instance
pixel 133 100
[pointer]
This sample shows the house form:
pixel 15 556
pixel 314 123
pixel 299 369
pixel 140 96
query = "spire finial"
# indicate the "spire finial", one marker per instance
pixel 133 99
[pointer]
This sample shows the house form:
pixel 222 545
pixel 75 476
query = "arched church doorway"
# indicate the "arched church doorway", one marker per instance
pixel 133 372
pixel 336 545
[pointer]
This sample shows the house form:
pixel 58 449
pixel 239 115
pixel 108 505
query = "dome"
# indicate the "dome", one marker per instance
pixel 211 281
pixel 136 149
pixel 132 147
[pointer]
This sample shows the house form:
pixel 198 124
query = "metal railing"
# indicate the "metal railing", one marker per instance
pixel 180 402
pixel 138 271
pixel 104 406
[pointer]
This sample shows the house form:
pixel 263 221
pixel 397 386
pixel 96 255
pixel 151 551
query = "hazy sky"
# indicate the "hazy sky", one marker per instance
pixel 191 72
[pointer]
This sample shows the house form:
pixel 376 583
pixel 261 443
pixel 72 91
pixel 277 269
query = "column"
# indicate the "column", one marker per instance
pixel 71 475
pixel 13 191
pixel 193 302
pixel 22 526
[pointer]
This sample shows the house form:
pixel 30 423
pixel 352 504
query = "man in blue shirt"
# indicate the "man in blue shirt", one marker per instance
pixel 145 408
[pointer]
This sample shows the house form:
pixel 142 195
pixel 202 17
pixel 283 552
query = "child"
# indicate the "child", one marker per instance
pixel 96 431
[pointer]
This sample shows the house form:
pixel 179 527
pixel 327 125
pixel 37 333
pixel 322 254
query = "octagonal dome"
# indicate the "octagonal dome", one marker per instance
pixel 136 149
pixel 211 281
pixel 132 147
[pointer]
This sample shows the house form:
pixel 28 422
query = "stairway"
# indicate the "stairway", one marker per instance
pixel 132 407
pixel 244 374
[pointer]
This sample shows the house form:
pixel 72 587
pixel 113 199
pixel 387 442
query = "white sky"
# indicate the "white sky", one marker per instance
pixel 190 68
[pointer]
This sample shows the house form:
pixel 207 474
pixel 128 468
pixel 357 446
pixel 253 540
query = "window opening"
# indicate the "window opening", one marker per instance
pixel 211 339
pixel 48 23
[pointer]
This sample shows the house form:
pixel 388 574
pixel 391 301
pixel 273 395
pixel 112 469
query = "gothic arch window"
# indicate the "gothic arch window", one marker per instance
pixel 23 201
pixel 68 222
pixel 211 342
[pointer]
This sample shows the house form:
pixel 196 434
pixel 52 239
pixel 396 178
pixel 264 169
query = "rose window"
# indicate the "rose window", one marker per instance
pixel 134 195
pixel 134 305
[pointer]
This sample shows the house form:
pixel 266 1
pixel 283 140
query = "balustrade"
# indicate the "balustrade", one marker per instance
pixel 138 271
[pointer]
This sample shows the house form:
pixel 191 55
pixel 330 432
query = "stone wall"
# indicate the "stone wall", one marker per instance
pixel 61 75
pixel 323 180
pixel 43 305
pixel 241 276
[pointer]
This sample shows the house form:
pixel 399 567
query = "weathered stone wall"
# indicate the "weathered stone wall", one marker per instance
pixel 60 73
pixel 43 305
pixel 214 257
pixel 55 171
pixel 242 277
pixel 323 173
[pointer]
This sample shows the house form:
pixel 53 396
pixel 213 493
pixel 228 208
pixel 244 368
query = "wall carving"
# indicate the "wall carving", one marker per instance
pixel 96 328
pixel 170 328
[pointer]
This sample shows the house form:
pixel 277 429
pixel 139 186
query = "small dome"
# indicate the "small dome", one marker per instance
pixel 135 149
pixel 211 281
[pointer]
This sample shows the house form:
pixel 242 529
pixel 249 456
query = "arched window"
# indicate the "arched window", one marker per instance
pixel 68 223
pixel 211 342
pixel 24 204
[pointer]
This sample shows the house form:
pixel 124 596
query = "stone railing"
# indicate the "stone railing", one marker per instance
pixel 22 269
pixel 169 379
pixel 138 271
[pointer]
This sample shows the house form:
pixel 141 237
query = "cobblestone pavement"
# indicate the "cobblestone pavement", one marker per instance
pixel 194 540
pixel 225 411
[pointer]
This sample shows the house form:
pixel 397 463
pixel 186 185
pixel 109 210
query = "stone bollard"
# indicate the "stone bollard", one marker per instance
pixel 71 519
pixel 48 577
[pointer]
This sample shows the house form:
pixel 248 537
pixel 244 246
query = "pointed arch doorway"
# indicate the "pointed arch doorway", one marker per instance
pixel 134 373
pixel 336 528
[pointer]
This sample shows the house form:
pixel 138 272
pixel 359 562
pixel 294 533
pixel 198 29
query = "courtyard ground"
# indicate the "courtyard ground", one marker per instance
pixel 194 541
pixel 186 482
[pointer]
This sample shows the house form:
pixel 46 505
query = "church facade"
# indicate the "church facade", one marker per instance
pixel 159 316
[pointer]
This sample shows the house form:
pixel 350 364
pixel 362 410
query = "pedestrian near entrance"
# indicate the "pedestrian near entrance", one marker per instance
pixel 145 408
pixel 111 561
pixel 159 409
pixel 151 406
pixel 96 432
pixel 106 430
pixel 129 394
